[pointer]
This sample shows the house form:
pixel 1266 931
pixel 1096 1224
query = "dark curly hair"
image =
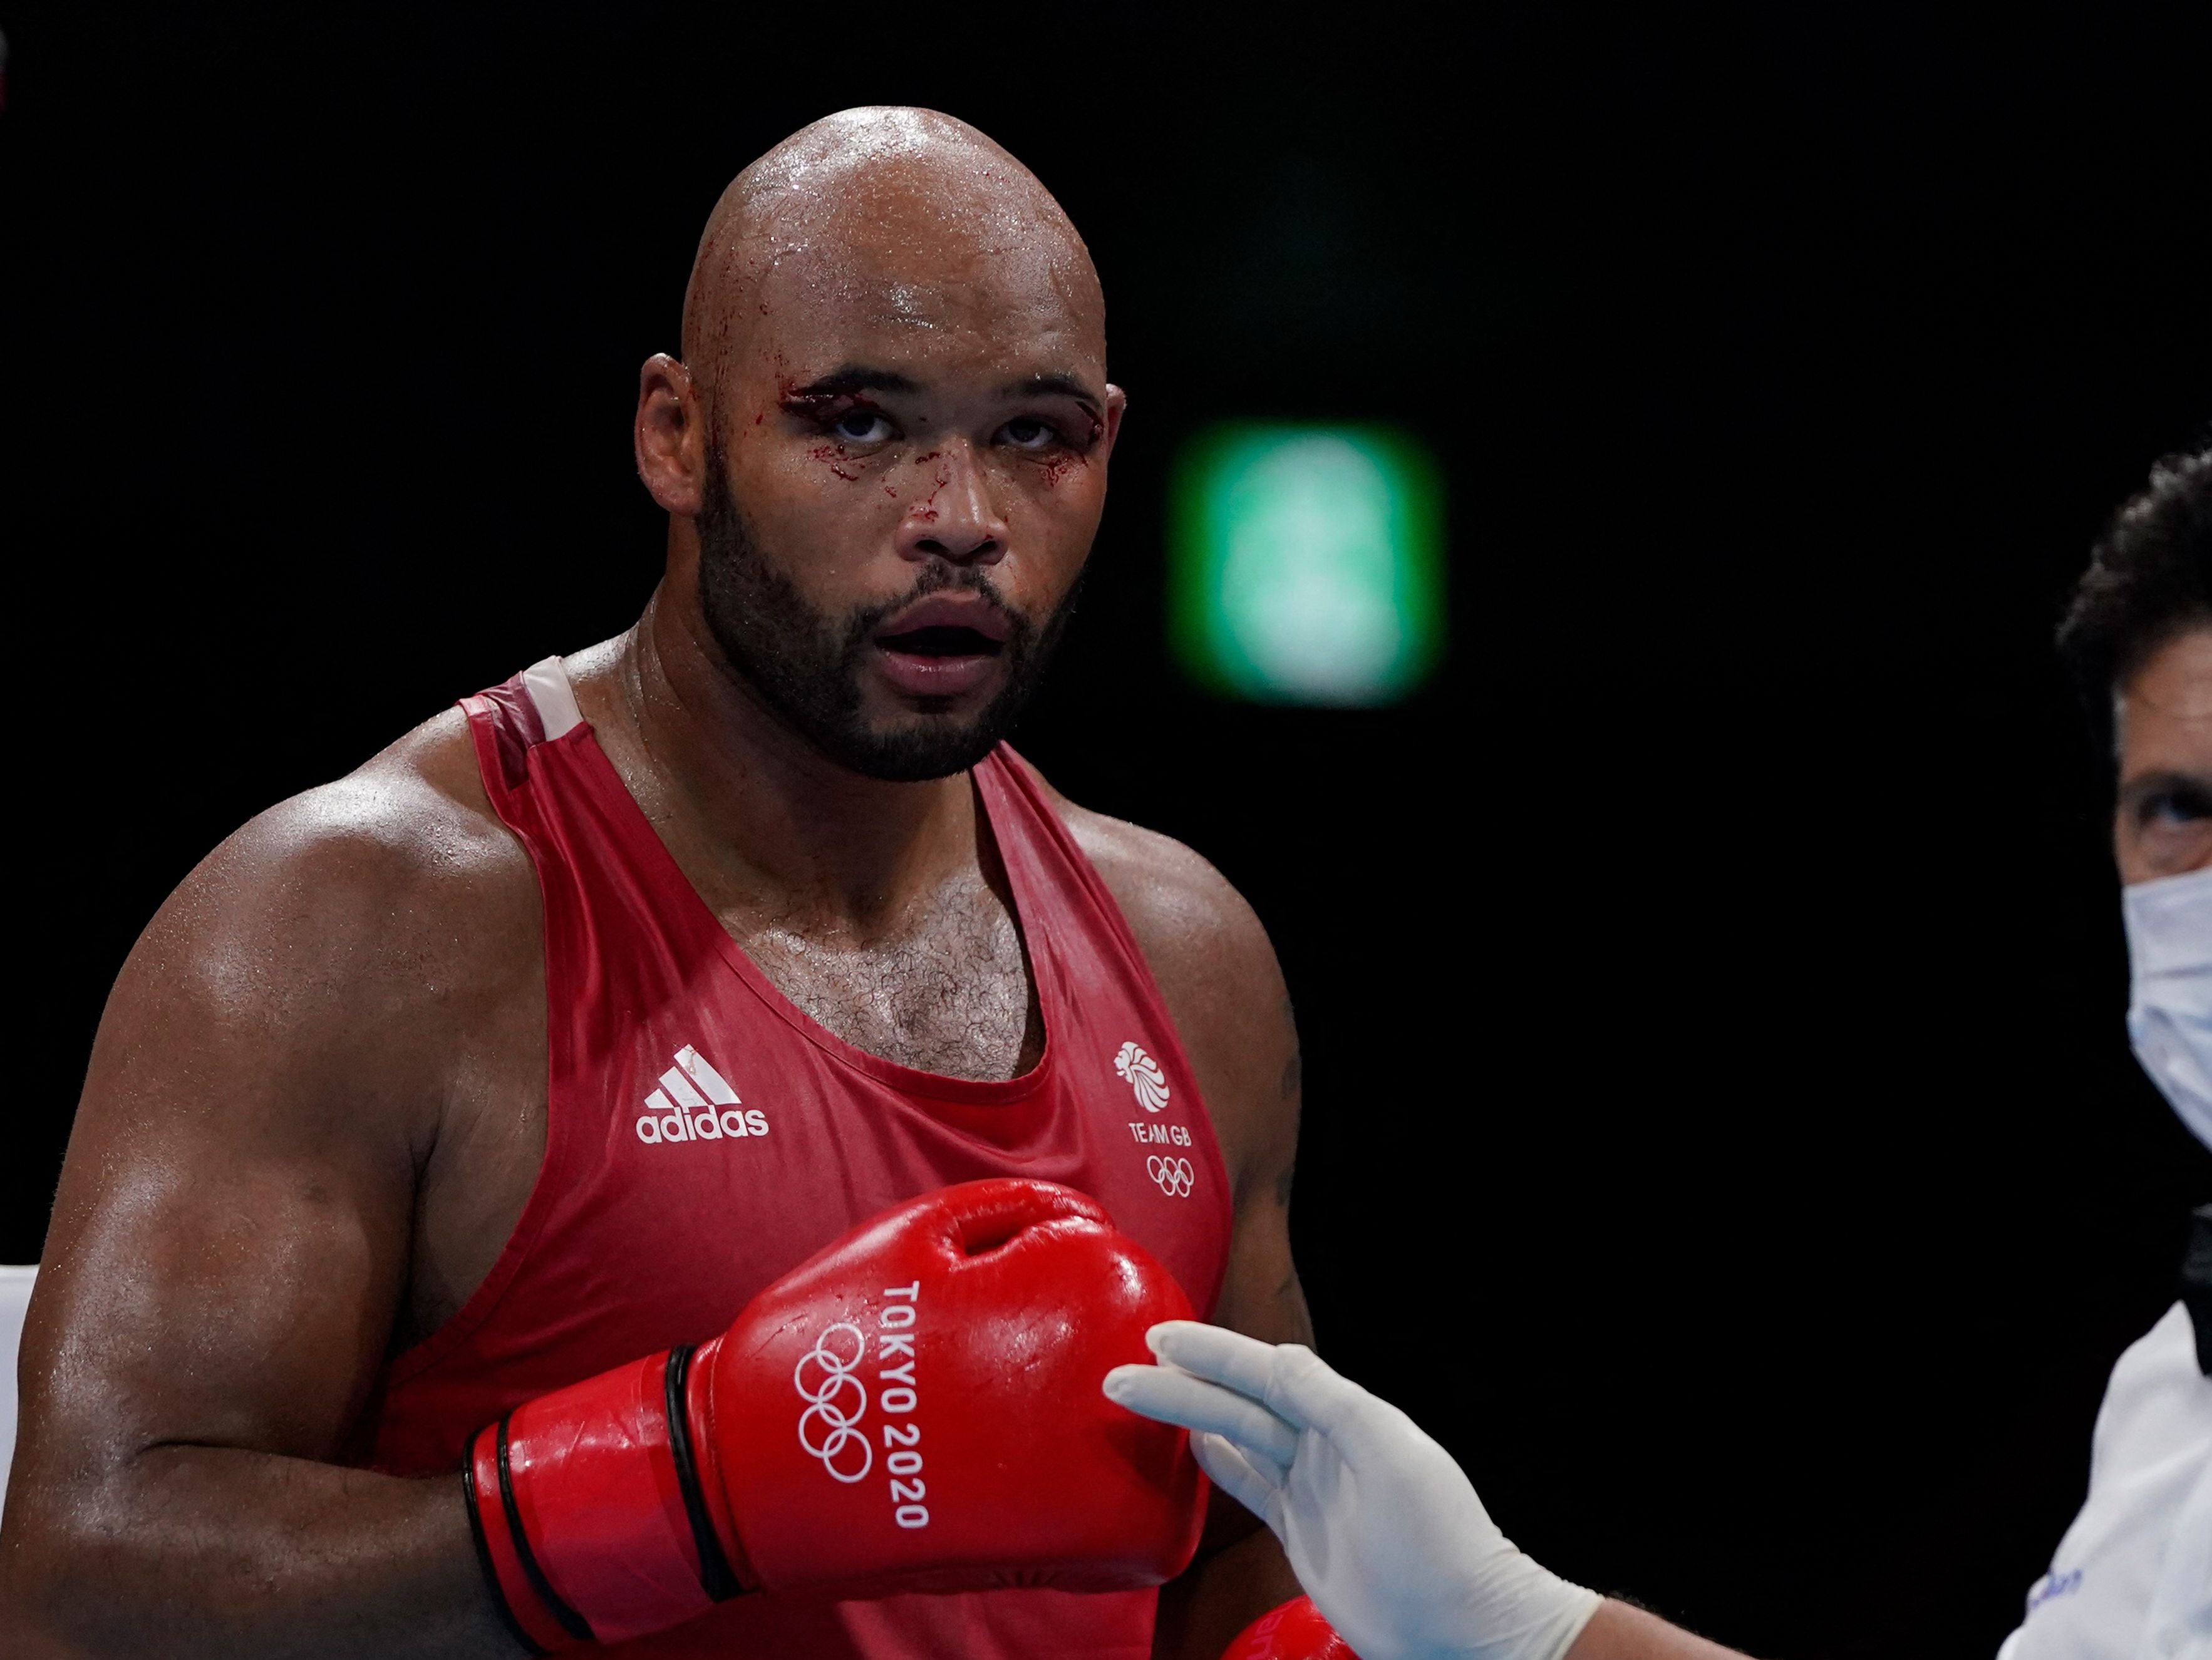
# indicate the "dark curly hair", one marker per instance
pixel 2149 579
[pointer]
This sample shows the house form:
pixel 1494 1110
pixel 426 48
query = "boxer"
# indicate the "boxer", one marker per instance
pixel 468 1142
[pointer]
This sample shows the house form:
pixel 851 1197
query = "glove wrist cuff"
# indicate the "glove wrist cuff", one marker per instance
pixel 1540 1619
pixel 724 1568
pixel 526 1604
pixel 587 1510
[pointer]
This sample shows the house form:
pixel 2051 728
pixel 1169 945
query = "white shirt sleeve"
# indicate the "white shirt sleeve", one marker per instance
pixel 2180 1624
pixel 2124 1577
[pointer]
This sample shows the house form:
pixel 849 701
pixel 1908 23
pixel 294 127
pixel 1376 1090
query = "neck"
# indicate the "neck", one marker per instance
pixel 806 838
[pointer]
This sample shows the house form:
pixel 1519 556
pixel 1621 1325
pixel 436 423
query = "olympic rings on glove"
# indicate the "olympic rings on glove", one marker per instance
pixel 828 1408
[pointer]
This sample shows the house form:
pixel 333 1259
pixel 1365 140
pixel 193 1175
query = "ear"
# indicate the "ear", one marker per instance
pixel 1117 405
pixel 670 435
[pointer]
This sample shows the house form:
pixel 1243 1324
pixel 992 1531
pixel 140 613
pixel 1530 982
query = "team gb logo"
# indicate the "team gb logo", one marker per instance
pixel 1144 1076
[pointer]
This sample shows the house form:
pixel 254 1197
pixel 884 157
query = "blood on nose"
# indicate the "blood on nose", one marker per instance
pixel 958 519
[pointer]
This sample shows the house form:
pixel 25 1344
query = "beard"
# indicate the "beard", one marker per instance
pixel 806 665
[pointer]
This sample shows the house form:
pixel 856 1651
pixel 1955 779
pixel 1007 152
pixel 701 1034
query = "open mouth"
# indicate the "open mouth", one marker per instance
pixel 944 646
pixel 942 640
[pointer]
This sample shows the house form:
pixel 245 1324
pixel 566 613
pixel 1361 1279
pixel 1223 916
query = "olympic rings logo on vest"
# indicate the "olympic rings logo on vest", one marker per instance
pixel 1176 1177
pixel 829 1427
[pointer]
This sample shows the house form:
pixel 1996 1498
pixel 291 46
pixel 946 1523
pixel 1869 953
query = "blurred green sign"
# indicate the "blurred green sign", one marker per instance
pixel 1306 564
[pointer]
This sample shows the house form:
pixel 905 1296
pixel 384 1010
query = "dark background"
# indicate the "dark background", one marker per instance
pixel 1720 1126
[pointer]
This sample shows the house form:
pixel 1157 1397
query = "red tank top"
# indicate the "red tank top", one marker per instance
pixel 704 1136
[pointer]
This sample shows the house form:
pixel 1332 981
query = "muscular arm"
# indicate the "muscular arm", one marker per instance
pixel 230 1248
pixel 1222 985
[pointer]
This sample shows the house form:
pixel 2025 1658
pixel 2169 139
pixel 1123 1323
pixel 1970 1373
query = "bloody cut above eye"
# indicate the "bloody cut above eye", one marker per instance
pixel 941 642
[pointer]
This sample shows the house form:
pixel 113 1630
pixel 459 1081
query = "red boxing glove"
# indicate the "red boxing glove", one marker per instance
pixel 1295 1631
pixel 916 1407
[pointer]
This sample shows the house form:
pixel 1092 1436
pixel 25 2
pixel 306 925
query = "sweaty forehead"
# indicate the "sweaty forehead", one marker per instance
pixel 891 232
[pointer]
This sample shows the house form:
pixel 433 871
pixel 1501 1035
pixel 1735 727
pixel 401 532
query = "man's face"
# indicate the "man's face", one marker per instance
pixel 2162 823
pixel 907 467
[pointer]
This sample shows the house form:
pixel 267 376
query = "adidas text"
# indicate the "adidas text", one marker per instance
pixel 694 1103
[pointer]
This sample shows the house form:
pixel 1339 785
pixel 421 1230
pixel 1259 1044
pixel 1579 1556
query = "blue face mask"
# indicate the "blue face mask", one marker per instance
pixel 2169 924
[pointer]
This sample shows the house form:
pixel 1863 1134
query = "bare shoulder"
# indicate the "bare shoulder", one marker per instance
pixel 408 828
pixel 412 821
pixel 1185 913
pixel 351 909
pixel 1217 971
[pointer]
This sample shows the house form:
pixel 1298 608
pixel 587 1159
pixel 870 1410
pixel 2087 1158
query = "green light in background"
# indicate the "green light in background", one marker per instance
pixel 1306 564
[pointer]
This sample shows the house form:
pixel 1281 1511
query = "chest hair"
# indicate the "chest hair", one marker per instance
pixel 947 992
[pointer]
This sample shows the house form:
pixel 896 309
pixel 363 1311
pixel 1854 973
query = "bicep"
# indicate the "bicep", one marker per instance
pixel 230 1233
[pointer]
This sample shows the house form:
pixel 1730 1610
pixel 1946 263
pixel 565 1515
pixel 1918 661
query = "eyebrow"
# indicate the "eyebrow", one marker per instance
pixel 1043 386
pixel 844 382
pixel 2194 788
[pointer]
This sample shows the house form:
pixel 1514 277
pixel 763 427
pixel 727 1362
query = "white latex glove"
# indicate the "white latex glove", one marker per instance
pixel 1382 1527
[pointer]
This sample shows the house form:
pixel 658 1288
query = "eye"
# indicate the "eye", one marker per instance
pixel 2168 827
pixel 1026 432
pixel 862 426
pixel 2180 805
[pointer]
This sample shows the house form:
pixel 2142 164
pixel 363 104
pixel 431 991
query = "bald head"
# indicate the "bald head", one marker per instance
pixel 880 217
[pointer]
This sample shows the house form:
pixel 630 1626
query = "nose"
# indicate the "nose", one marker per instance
pixel 955 518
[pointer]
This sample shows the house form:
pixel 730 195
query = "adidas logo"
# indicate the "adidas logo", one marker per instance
pixel 694 1103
